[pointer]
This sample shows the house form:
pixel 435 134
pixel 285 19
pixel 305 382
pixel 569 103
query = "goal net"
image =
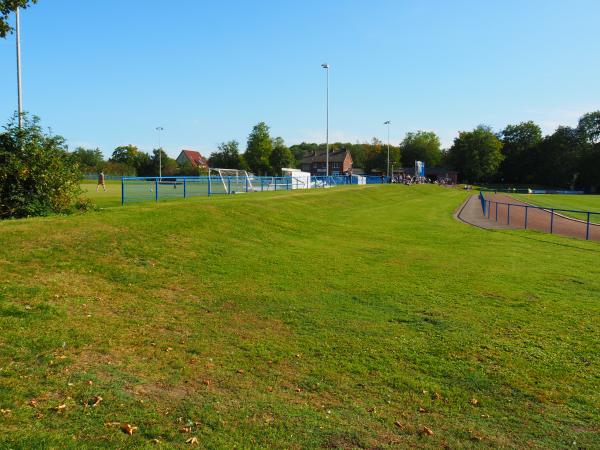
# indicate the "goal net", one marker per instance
pixel 234 181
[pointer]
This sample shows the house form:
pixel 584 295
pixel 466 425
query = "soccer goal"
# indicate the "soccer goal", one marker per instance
pixel 234 181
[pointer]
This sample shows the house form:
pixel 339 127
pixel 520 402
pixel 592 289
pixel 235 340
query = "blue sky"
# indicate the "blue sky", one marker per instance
pixel 106 73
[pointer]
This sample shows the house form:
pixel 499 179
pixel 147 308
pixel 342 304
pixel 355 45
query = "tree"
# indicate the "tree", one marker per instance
pixel 558 158
pixel 476 154
pixel 6 8
pixel 421 146
pixel 89 160
pixel 281 156
pixel 258 150
pixel 589 126
pixel 160 159
pixel 519 146
pixel 227 156
pixel 303 149
pixel 126 154
pixel 37 174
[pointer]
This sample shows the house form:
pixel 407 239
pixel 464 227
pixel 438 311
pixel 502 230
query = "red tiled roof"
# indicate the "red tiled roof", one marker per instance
pixel 195 158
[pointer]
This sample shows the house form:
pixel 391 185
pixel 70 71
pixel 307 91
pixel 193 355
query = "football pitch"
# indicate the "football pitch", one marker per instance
pixel 352 317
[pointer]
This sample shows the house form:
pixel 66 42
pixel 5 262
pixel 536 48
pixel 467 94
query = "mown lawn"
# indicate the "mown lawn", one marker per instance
pixel 573 202
pixel 353 317
pixel 102 199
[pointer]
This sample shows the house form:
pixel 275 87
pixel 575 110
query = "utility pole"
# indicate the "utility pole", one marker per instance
pixel 326 67
pixel 388 146
pixel 19 95
pixel 159 129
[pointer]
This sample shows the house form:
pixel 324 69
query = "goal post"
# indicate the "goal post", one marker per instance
pixel 234 181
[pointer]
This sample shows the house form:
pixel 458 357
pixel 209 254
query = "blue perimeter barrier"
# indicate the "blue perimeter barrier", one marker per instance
pixel 486 206
pixel 139 189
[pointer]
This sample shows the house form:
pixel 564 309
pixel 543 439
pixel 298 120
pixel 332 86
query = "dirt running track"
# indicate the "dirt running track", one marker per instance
pixel 538 219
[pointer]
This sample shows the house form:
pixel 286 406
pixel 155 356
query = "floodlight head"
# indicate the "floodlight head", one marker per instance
pixel 325 66
pixel 159 128
pixel 387 122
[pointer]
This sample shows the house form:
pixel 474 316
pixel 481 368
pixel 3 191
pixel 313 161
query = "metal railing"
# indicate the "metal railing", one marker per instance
pixel 139 189
pixel 542 218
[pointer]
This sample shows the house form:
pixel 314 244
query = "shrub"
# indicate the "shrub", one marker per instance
pixel 37 174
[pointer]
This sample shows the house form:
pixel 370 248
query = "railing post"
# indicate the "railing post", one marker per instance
pixel 587 227
pixel 489 208
pixel 526 211
pixel 508 215
pixel 156 189
pixel 184 187
pixel 229 185
pixel 274 183
pixel 496 211
pixel 262 188
pixel 246 184
pixel 287 182
pixel 551 220
pixel 123 191
pixel 209 186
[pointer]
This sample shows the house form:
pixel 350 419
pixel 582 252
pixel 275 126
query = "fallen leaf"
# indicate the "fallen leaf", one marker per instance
pixel 422 410
pixel 240 371
pixel 270 389
pixel 207 382
pixel 96 400
pixel 169 349
pixel 60 407
pixel 371 410
pixel 112 424
pixel 5 411
pixel 427 431
pixel 437 395
pixel 89 382
pixel 399 425
pixel 155 441
pixel 298 390
pixel 38 415
pixel 192 441
pixel 474 402
pixel 128 429
pixel 185 430
pixel 33 403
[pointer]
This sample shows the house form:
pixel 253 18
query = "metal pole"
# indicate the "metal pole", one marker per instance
pixel 526 210
pixel 388 147
pixel 19 94
pixel 587 228
pixel 326 67
pixel 551 220
pixel 159 129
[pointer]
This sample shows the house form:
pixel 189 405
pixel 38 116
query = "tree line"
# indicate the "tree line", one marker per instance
pixel 520 154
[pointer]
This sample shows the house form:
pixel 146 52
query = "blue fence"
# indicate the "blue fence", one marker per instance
pixel 552 220
pixel 139 189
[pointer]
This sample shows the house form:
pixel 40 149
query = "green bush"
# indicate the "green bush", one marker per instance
pixel 37 174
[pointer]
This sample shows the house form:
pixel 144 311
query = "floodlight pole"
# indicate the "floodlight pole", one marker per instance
pixel 326 67
pixel 159 129
pixel 19 95
pixel 387 122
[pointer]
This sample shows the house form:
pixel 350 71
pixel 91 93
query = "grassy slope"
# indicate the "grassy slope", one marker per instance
pixel 304 319
pixel 574 202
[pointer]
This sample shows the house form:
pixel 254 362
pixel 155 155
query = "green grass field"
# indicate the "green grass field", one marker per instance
pixel 573 202
pixel 354 317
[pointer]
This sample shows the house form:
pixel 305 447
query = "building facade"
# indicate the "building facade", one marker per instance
pixel 340 162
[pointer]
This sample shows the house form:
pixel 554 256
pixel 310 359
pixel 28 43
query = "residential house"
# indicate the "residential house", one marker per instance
pixel 340 162
pixel 192 157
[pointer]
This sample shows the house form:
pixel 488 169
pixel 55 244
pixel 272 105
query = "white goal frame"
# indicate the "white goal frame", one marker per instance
pixel 233 178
